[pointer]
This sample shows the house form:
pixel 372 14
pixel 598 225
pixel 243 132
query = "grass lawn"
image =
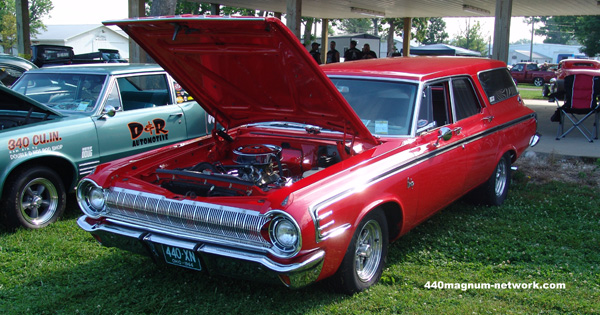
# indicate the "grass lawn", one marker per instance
pixel 538 236
pixel 530 92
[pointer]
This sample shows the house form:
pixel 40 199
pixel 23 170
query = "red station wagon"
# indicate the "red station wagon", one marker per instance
pixel 316 169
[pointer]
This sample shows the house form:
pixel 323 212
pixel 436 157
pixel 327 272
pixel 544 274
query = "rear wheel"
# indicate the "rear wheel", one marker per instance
pixel 538 81
pixel 363 263
pixel 495 190
pixel 34 198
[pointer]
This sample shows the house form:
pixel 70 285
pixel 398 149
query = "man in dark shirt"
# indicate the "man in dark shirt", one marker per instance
pixel 368 53
pixel 353 53
pixel 314 52
pixel 333 55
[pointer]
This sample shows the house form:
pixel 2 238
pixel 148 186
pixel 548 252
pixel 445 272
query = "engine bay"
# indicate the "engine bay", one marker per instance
pixel 250 169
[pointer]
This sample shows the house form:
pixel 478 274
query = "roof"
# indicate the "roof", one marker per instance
pixel 16 61
pixel 339 9
pixel 66 32
pixel 534 55
pixel 421 68
pixel 103 68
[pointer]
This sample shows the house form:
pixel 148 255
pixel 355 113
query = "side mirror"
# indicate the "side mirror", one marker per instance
pixel 445 134
pixel 109 111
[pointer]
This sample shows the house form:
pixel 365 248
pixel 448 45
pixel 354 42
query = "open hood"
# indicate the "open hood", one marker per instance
pixel 245 70
pixel 13 101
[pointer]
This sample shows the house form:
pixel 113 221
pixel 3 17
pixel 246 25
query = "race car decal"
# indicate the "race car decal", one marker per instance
pixel 156 129
pixel 24 142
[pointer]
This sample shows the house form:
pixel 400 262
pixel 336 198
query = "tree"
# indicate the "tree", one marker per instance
pixel 435 32
pixel 587 33
pixel 38 9
pixel 558 29
pixel 356 26
pixel 470 38
pixel 8 32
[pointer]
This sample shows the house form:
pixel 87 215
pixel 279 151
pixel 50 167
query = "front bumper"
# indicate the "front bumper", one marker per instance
pixel 215 258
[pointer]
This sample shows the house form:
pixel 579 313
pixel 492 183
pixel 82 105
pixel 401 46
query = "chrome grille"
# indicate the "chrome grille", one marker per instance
pixel 195 219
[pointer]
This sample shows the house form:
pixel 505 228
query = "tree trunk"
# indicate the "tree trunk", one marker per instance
pixel 308 31
pixel 390 38
pixel 163 7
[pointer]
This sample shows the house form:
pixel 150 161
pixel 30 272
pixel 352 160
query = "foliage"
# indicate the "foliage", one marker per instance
pixel 587 33
pixel 558 29
pixel 356 26
pixel 435 33
pixel 8 32
pixel 38 9
pixel 470 38
pixel 531 238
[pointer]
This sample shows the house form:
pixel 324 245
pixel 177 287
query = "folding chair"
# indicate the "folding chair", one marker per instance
pixel 581 93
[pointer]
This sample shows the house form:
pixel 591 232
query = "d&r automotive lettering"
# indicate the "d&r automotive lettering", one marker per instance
pixel 149 140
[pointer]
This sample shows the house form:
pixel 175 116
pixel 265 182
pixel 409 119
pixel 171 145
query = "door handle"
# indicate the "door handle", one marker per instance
pixel 488 118
pixel 176 115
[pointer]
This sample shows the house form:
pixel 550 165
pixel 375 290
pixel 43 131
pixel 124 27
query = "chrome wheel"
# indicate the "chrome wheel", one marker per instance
pixel 501 179
pixel 369 249
pixel 38 201
pixel 538 81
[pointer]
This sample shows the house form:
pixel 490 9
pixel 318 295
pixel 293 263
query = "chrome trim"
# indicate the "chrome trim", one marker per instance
pixel 187 219
pixel 301 273
pixel 273 214
pixel 87 168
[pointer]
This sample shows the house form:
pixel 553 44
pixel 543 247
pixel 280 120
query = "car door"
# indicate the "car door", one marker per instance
pixel 475 121
pixel 144 116
pixel 442 168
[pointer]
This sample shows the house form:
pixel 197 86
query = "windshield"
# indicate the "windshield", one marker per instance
pixel 63 92
pixel 385 107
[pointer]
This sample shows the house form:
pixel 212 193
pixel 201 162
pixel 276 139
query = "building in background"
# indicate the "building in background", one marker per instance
pixel 84 38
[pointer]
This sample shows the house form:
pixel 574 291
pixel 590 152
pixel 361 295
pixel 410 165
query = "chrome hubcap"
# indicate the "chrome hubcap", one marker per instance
pixel 368 251
pixel 38 201
pixel 500 178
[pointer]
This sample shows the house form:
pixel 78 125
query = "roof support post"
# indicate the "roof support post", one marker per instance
pixel 324 39
pixel 502 30
pixel 215 8
pixel 293 16
pixel 23 30
pixel 406 36
pixel 136 9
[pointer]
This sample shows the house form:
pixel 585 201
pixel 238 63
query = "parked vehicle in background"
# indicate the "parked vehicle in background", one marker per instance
pixel 319 168
pixel 530 72
pixel 76 117
pixel 53 55
pixel 12 67
pixel 567 67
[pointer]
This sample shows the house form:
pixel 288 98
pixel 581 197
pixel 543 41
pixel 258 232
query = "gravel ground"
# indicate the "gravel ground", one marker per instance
pixel 543 168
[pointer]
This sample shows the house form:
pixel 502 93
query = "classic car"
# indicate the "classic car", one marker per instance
pixel 567 67
pixel 316 169
pixel 76 117
pixel 12 67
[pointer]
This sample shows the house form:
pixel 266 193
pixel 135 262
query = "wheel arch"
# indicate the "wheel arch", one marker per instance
pixel 63 167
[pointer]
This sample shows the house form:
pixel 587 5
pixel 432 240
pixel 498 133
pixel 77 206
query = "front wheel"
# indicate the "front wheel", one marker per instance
pixel 364 260
pixel 538 81
pixel 34 198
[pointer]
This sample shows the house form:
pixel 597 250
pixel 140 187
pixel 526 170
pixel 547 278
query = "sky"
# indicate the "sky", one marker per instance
pixel 89 12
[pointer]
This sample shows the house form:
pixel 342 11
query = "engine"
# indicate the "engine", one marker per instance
pixel 254 166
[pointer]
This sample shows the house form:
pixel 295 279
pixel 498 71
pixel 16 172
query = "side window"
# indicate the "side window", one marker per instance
pixel 144 91
pixel 113 98
pixel 9 75
pixel 518 67
pixel 465 100
pixel 532 67
pixel 498 85
pixel 435 107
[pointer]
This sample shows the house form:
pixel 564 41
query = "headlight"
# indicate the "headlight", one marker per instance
pixel 285 235
pixel 91 198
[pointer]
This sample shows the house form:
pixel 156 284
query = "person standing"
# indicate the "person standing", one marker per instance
pixel 353 53
pixel 368 53
pixel 333 55
pixel 314 52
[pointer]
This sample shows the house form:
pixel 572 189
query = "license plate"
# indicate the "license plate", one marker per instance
pixel 181 257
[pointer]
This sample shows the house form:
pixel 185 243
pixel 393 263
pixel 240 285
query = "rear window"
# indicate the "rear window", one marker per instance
pixel 498 85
